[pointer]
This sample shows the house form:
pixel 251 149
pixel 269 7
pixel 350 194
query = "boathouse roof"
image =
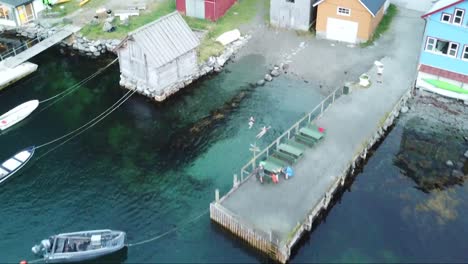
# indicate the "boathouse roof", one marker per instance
pixel 165 39
pixel 15 3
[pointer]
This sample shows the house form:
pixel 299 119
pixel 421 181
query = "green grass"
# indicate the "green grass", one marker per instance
pixel 72 6
pixel 154 12
pixel 384 25
pixel 242 12
pixel 446 86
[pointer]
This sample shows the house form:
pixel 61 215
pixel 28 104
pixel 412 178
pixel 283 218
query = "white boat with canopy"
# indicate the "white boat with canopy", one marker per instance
pixel 17 114
pixel 15 163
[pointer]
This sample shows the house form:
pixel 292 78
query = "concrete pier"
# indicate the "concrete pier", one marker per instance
pixel 273 217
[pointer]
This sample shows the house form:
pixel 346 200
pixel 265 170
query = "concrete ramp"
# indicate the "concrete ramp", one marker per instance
pixel 60 35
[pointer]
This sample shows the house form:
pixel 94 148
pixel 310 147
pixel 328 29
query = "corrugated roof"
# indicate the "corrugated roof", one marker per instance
pixel 441 5
pixel 165 39
pixel 16 3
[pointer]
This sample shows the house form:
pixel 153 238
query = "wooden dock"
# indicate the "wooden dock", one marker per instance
pixel 14 65
pixel 33 47
pixel 273 217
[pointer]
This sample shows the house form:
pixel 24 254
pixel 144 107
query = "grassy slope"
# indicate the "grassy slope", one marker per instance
pixel 384 25
pixel 152 13
pixel 242 12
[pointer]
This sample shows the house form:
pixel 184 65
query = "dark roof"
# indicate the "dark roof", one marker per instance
pixel 16 3
pixel 373 6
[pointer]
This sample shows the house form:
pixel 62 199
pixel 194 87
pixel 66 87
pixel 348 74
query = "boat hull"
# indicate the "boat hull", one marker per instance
pixel 84 257
pixel 81 246
pixel 17 114
pixel 15 163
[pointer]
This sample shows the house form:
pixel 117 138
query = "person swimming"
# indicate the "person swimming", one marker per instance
pixel 251 122
pixel 263 131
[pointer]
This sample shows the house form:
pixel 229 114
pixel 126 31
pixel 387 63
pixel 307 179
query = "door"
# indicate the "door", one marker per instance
pixel 342 30
pixel 195 8
pixel 284 18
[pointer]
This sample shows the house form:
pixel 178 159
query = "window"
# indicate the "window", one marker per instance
pixel 453 49
pixel 465 53
pixel 430 45
pixel 458 17
pixel 344 11
pixel 442 47
pixel 4 12
pixel 446 18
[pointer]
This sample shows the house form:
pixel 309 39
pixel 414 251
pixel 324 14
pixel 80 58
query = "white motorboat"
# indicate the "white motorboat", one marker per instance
pixel 17 114
pixel 15 163
pixel 80 246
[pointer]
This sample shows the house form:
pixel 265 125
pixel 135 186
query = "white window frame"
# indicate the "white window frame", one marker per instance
pixel 455 16
pixel 433 44
pixel 344 11
pixel 451 49
pixel 442 18
pixel 465 52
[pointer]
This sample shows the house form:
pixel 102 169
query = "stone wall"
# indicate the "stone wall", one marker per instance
pixel 77 43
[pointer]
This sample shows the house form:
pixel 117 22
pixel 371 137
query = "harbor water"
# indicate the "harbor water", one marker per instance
pixel 149 168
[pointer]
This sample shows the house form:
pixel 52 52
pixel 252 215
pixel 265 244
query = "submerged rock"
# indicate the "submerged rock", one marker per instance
pixel 275 72
pixel 404 109
pixel 449 163
pixel 268 78
pixel 261 83
pixel 466 154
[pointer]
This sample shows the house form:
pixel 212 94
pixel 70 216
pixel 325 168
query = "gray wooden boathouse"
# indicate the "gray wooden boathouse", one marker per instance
pixel 158 58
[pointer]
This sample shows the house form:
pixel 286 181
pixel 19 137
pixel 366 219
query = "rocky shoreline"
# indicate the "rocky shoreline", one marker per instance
pixel 77 43
pixel 96 48
pixel 434 147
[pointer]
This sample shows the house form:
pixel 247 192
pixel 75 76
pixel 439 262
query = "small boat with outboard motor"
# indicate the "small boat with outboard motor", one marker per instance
pixel 80 246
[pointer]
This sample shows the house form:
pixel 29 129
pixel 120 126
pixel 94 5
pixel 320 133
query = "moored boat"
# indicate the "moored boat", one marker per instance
pixel 15 163
pixel 17 114
pixel 80 246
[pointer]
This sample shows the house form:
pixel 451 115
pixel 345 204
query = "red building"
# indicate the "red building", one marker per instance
pixel 204 9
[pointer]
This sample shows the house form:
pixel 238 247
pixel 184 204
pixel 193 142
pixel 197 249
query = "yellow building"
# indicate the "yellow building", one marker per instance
pixel 350 21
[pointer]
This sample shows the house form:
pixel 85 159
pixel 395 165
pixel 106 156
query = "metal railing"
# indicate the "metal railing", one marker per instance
pixel 288 134
pixel 16 50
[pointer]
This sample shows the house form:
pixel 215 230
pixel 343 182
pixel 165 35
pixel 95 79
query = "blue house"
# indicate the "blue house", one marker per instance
pixel 443 66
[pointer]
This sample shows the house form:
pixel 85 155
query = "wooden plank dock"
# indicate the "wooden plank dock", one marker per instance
pixel 31 50
pixel 273 217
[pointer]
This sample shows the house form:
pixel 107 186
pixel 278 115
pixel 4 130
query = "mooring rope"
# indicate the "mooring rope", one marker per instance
pixel 74 87
pixel 88 125
pixel 168 232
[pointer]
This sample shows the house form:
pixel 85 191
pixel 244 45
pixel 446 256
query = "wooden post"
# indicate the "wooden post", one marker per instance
pixel 14 51
pixel 217 195
pixel 235 183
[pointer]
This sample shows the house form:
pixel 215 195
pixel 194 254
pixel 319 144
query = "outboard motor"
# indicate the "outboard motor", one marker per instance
pixel 42 248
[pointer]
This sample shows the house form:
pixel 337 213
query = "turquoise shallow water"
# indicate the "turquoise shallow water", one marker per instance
pixel 150 167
